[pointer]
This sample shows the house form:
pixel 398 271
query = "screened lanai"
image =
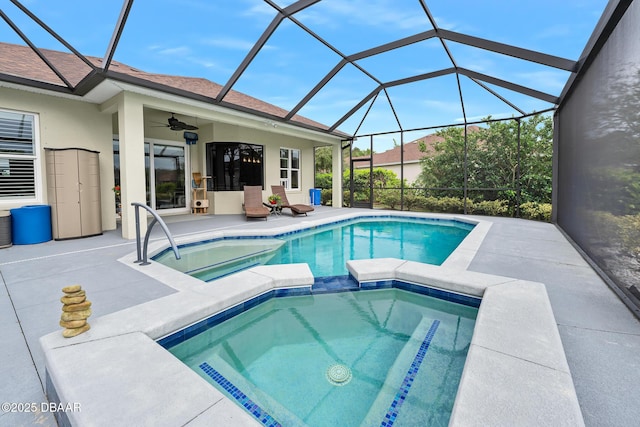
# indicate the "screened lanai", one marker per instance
pixel 383 74
pixel 455 90
pixel 355 67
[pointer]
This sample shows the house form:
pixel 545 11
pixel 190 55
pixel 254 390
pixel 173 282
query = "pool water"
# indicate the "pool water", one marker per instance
pixel 325 249
pixel 376 357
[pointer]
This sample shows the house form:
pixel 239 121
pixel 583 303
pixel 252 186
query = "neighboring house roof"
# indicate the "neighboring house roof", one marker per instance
pixel 23 63
pixel 412 153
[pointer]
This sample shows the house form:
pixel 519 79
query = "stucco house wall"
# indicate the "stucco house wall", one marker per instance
pixel 66 123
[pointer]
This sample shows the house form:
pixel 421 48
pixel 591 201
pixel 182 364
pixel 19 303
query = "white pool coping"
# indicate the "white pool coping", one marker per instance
pixel 516 372
pixel 460 258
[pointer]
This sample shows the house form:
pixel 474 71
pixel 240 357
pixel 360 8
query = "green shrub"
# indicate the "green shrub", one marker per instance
pixel 326 197
pixel 413 201
pixel 616 190
pixel 346 198
pixel 629 232
pixel 443 204
pixel 601 224
pixel 537 211
pixel 389 198
pixel 607 227
pixel 450 205
pixel 491 208
pixel 324 180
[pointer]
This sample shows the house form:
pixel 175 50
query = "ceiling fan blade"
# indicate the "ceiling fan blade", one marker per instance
pixel 176 124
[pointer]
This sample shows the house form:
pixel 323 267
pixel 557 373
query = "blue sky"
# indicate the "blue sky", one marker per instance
pixel 209 39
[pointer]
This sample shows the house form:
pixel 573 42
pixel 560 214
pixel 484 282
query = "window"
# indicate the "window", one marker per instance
pixel 18 155
pixel 290 168
pixel 232 165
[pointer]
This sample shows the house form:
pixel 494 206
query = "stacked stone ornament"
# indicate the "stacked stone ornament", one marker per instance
pixel 75 311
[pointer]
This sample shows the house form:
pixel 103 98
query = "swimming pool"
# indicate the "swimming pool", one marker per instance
pixel 326 248
pixel 376 357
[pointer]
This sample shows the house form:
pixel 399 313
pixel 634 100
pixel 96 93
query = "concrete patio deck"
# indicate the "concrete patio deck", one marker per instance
pixel 600 336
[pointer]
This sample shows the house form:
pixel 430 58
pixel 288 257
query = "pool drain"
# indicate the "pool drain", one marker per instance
pixel 339 374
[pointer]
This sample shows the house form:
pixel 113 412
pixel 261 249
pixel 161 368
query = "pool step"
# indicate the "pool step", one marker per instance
pixel 335 284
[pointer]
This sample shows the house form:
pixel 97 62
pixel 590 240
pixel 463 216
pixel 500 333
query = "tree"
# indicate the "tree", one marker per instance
pixel 445 169
pixel 359 152
pixel 382 179
pixel 493 162
pixel 324 163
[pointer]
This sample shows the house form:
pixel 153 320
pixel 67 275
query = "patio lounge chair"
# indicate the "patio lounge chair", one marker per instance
pixel 296 209
pixel 253 207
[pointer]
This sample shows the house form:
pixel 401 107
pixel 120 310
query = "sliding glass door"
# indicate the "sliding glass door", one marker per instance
pixel 166 175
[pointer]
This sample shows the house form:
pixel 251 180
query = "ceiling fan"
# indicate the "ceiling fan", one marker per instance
pixel 175 124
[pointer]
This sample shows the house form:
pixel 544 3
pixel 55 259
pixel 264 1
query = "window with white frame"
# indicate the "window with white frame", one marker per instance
pixel 18 156
pixel 290 168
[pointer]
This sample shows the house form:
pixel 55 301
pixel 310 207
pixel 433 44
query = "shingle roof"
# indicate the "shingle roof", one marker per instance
pixel 23 62
pixel 412 151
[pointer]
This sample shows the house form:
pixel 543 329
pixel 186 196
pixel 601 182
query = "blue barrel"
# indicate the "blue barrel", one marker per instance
pixel 31 224
pixel 315 196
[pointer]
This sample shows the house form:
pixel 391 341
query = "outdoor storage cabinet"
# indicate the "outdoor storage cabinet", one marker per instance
pixel 73 189
pixel 5 229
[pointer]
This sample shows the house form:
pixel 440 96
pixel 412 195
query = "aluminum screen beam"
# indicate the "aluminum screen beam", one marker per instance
pixel 614 11
pixel 511 86
pixel 10 78
pixel 505 49
pixel 497 95
pixel 287 11
pixel 384 86
pixel 250 56
pixel 355 108
pixel 420 77
pixel 53 33
pixel 117 32
pixel 393 45
pixel 355 57
pixel 35 49
pixel 317 88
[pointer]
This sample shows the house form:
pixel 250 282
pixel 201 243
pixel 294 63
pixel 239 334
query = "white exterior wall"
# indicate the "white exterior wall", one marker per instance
pixel 65 123
pixel 411 170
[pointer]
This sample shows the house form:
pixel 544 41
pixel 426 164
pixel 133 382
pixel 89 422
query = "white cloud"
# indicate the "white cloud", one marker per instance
pixel 550 81
pixel 379 13
pixel 447 25
pixel 553 32
pixel 229 43
pixel 452 107
pixel 261 9
pixel 178 50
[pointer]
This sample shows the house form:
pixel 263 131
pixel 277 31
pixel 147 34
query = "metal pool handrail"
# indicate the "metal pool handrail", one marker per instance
pixel 142 251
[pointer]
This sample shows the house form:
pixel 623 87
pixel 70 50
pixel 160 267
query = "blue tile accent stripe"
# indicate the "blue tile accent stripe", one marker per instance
pixel 335 284
pixel 467 300
pixel 190 331
pixel 400 397
pixel 255 410
pixel 184 334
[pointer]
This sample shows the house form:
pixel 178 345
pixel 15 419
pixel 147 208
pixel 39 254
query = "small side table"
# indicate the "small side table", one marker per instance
pixel 275 209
